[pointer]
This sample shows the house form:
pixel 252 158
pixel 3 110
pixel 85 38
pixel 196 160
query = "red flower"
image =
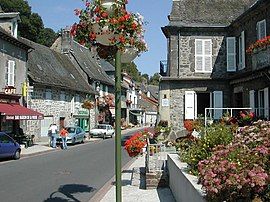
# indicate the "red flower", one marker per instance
pixel 134 25
pixel 97 9
pixel 92 36
pixel 73 30
pixel 77 11
pixel 104 14
pixel 122 19
pixel 122 39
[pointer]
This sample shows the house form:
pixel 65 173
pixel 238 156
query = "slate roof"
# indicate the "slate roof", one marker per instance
pixel 51 68
pixel 107 67
pixel 153 91
pixel 199 13
pixel 147 103
pixel 89 64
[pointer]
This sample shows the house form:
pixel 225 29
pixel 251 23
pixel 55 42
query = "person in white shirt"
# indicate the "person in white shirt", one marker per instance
pixel 53 130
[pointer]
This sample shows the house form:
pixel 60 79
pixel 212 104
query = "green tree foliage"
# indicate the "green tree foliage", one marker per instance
pixel 154 80
pixel 146 76
pixel 31 25
pixel 132 70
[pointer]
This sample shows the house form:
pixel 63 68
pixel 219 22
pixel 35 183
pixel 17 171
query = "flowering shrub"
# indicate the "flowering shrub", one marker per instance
pixel 202 148
pixel 88 104
pixel 188 124
pixel 259 44
pixel 244 118
pixel 239 171
pixel 135 144
pixel 126 28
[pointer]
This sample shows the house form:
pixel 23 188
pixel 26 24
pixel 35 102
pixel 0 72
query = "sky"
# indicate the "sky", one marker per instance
pixel 57 14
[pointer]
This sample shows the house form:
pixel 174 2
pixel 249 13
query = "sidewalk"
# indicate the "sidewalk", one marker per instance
pixel 133 187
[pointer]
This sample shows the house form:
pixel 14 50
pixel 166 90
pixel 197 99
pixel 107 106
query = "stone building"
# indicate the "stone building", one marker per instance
pixel 13 77
pixel 207 63
pixel 57 89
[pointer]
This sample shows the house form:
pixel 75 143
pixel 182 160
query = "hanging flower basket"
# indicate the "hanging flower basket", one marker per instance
pixel 103 34
pixel 129 54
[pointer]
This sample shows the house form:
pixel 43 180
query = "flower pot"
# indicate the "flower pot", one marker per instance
pixel 129 54
pixel 103 34
pixel 108 5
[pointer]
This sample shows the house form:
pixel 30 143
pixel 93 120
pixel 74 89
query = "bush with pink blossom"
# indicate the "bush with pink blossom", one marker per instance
pixel 239 171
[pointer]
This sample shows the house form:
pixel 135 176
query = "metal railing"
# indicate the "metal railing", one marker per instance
pixel 220 111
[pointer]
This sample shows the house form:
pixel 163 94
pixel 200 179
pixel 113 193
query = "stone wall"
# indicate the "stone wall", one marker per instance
pixel 56 108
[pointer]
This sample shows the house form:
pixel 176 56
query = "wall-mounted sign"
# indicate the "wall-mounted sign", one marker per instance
pixel 9 90
pixel 165 102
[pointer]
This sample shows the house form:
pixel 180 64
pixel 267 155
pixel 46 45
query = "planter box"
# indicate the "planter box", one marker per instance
pixel 183 185
pixel 261 59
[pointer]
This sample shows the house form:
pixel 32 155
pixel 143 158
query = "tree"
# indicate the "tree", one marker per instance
pixel 154 80
pixel 132 70
pixel 31 25
pixel 146 76
pixel 47 37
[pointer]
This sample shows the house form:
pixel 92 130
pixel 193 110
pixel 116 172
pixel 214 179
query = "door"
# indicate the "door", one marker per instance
pixel 7 146
pixel 45 124
pixel 218 103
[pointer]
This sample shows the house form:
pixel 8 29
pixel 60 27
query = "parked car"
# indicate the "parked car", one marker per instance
pixel 75 134
pixel 102 130
pixel 9 148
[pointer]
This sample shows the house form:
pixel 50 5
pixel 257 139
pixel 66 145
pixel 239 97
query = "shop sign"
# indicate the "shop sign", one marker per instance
pixel 165 102
pixel 22 117
pixel 9 90
pixel 82 112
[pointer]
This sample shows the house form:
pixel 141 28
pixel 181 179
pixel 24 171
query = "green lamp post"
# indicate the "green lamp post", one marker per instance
pixel 118 35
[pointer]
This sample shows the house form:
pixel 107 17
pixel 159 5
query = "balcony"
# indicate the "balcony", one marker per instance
pixel 261 58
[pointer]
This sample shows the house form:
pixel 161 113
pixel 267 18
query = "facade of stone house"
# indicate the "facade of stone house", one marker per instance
pixel 90 66
pixel 57 89
pixel 13 77
pixel 207 64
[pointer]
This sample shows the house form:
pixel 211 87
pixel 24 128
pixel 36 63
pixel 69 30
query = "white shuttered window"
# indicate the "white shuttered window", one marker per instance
pixel 189 105
pixel 231 54
pixel 252 100
pixel 218 103
pixel 266 103
pixel 10 73
pixel 261 29
pixel 203 55
pixel 242 52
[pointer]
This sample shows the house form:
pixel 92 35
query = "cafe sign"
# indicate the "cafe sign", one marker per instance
pixel 9 90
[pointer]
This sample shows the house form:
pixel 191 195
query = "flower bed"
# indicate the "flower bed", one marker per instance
pixel 232 167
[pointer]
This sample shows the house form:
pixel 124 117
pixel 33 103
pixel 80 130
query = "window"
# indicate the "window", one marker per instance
pixel 203 55
pixel 259 100
pixel 10 73
pixel 62 97
pixel 5 139
pixel 48 96
pixel 261 29
pixel 231 60
pixel 241 51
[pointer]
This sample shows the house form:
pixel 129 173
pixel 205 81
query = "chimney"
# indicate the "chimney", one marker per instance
pixel 66 40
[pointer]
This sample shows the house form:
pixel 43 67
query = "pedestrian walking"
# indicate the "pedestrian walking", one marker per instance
pixel 64 134
pixel 53 131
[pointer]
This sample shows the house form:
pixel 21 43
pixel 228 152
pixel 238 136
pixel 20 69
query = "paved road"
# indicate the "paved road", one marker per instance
pixel 75 174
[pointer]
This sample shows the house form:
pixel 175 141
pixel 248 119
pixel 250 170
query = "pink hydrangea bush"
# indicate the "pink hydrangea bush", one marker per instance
pixel 240 170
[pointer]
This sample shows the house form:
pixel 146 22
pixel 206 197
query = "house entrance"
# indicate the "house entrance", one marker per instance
pixel 203 101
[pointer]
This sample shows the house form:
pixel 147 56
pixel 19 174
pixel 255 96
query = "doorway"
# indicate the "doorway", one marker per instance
pixel 203 101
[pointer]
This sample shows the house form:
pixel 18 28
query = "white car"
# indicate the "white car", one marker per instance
pixel 102 130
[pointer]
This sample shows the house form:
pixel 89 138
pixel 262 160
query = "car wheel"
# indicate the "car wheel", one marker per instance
pixel 83 139
pixel 74 141
pixel 17 154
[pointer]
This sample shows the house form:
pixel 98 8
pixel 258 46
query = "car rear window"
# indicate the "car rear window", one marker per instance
pixel 101 127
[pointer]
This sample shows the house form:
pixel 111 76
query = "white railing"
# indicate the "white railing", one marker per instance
pixel 220 111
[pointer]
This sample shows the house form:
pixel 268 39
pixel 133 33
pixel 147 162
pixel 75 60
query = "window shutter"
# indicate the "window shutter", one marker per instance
pixel 198 55
pixel 189 104
pixel 11 73
pixel 243 51
pixel 266 102
pixel 261 29
pixel 218 103
pixel 208 55
pixel 231 60
pixel 252 100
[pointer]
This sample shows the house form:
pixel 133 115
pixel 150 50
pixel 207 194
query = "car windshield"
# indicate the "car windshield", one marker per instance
pixel 101 127
pixel 71 130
